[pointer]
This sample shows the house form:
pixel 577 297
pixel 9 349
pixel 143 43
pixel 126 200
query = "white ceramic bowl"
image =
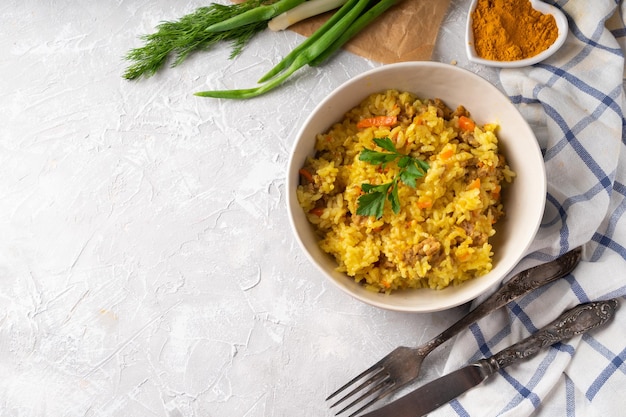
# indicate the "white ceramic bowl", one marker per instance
pixel 524 200
pixel 561 23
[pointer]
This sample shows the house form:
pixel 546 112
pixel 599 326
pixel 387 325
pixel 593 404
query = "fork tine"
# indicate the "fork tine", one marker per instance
pixel 380 374
pixel 372 370
pixel 380 396
pixel 386 382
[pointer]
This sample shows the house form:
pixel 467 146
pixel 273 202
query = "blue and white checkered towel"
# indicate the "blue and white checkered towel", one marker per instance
pixel 575 103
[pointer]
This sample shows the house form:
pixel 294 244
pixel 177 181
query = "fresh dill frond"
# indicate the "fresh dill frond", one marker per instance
pixel 186 35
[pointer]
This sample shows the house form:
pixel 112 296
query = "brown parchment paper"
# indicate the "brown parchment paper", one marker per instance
pixel 405 32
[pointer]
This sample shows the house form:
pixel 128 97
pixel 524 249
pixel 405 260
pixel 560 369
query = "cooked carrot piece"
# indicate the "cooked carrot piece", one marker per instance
pixel 474 184
pixel 377 121
pixel 306 174
pixel 424 204
pixel 447 154
pixel 317 211
pixel 467 124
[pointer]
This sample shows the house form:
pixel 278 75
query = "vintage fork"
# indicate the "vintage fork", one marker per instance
pixel 402 365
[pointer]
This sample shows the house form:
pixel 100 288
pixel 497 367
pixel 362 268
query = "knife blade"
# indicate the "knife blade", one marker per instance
pixel 432 395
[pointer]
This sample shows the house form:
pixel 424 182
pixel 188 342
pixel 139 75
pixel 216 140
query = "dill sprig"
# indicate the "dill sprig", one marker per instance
pixel 188 34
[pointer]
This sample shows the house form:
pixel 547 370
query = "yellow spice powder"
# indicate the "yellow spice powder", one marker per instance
pixel 510 30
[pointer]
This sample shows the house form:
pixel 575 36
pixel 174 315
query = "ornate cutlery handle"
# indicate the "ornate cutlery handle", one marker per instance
pixel 523 283
pixel 533 278
pixel 573 322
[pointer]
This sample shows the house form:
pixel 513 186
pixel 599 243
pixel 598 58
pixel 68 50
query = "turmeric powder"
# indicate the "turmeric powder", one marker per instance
pixel 510 30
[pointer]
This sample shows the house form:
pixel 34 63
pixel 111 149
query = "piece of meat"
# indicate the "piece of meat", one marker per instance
pixel 478 238
pixel 460 111
pixel 428 248
pixel 443 110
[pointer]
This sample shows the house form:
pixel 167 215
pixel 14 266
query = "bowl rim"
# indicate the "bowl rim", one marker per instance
pixel 561 23
pixel 382 300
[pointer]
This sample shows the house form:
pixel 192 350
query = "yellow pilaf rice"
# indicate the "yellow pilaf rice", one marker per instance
pixel 441 235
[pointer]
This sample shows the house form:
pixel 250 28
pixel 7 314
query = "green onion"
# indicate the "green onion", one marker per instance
pixel 286 61
pixel 317 47
pixel 238 23
pixel 364 20
pixel 258 14
pixel 302 11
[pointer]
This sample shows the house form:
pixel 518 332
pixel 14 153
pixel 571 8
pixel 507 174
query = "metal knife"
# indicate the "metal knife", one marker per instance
pixel 434 394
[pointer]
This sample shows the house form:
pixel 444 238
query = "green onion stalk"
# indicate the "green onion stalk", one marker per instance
pixel 258 14
pixel 349 20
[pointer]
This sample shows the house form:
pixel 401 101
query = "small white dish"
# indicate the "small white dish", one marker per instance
pixel 561 23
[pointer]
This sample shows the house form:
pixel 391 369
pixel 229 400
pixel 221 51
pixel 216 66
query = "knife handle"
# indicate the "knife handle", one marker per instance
pixel 533 278
pixel 578 320
pixel 523 283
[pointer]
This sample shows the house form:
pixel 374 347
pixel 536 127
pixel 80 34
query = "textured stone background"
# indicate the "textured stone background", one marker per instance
pixel 147 266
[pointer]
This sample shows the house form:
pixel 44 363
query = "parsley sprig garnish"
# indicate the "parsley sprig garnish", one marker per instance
pixel 372 203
